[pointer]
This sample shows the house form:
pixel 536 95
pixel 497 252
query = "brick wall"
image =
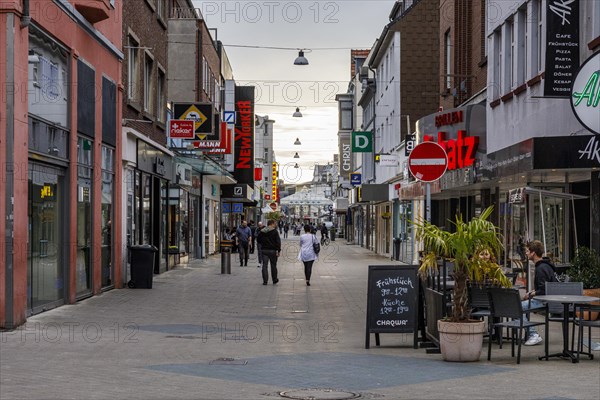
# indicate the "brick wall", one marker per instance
pixel 419 64
pixel 140 17
pixel 464 19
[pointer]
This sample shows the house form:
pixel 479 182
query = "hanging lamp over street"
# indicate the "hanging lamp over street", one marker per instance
pixel 296 155
pixel 301 60
pixel 297 113
pixel 297 142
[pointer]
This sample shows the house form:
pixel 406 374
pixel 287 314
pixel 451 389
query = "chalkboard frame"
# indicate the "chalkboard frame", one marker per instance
pixel 406 269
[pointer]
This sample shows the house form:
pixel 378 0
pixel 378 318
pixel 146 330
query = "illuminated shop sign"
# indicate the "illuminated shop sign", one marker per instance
pixel 274 182
pixel 585 94
pixel 461 152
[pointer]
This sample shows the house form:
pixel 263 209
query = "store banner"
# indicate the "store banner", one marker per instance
pixel 243 160
pixel 562 50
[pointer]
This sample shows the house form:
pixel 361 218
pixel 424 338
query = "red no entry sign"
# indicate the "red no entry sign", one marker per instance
pixel 428 162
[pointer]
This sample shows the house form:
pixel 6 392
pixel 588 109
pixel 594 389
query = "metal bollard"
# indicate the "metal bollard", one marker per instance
pixel 226 260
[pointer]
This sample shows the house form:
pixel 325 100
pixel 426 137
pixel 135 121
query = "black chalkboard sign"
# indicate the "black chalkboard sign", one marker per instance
pixel 392 301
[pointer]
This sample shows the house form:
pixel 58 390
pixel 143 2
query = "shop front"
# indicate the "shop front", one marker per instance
pixel 545 187
pixel 148 174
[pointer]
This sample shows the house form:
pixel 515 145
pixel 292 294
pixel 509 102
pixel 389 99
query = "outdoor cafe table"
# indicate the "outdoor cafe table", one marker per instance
pixel 566 300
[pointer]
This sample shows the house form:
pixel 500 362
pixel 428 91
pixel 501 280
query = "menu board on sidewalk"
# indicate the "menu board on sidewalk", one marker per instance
pixel 392 301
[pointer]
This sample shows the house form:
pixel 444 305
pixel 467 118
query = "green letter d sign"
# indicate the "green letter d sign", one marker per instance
pixel 362 142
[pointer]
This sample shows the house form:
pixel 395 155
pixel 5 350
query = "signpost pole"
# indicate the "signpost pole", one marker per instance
pixel 428 202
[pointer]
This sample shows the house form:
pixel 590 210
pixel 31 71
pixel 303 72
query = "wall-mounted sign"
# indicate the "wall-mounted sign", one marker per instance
pixel 562 46
pixel 388 160
pixel 355 179
pixel 201 114
pixel 409 144
pixel 181 129
pixel 461 152
pixel 274 182
pixel 585 94
pixel 243 160
pixel 362 142
pixel 229 117
pixel 345 156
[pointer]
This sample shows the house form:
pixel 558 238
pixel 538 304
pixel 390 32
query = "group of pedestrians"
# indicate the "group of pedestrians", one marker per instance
pixel 267 242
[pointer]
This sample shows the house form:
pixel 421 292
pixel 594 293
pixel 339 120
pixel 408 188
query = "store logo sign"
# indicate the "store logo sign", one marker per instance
pixel 585 94
pixel 362 142
pixel 461 152
pixel 591 151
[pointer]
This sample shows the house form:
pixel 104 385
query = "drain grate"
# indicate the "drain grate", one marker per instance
pixel 319 394
pixel 228 361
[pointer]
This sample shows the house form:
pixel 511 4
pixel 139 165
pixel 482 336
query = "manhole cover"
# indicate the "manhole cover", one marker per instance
pixel 319 394
pixel 228 361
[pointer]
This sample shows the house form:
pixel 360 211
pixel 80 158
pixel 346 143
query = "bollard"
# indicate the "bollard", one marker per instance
pixel 226 261
pixel 226 246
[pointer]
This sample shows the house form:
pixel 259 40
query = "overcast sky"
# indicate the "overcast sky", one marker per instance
pixel 282 86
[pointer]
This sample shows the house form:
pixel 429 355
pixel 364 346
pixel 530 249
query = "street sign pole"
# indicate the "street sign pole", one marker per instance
pixel 428 162
pixel 428 202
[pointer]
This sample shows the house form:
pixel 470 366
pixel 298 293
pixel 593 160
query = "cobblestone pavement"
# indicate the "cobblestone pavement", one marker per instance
pixel 199 334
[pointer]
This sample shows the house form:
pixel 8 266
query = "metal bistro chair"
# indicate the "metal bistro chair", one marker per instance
pixel 506 303
pixel 581 321
pixel 479 301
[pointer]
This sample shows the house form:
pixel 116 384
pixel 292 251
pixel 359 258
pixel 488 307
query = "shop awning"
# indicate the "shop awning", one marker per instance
pixel 206 166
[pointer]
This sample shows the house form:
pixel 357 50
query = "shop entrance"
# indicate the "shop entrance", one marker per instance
pixel 46 253
pixel 544 214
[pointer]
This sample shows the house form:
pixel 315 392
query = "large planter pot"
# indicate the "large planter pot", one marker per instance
pixel 461 342
pixel 591 316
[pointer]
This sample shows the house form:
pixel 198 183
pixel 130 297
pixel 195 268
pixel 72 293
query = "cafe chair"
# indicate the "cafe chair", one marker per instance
pixel 581 319
pixel 506 304
pixel 479 302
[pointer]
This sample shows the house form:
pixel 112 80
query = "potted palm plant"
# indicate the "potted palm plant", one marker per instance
pixel 463 247
pixel 586 269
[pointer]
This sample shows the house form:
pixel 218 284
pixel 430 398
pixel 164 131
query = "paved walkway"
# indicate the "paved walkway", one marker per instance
pixel 173 342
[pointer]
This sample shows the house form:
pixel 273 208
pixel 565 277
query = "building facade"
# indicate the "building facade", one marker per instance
pixel 60 144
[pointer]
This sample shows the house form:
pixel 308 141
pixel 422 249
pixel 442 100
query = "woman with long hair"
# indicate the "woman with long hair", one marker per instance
pixel 307 252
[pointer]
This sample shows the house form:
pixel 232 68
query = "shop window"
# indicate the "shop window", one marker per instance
pixel 106 217
pixel 132 69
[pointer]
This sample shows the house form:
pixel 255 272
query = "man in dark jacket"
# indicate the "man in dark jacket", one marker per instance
pixel 544 272
pixel 244 238
pixel 270 246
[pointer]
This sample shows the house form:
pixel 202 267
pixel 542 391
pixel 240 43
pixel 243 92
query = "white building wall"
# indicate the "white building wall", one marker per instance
pixel 527 114
pixel 387 107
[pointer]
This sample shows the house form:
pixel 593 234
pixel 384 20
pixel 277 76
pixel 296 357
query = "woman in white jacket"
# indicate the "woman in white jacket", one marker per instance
pixel 307 253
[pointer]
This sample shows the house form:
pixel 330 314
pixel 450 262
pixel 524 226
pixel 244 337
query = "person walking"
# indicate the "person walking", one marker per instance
pixel 286 228
pixel 324 233
pixel 253 241
pixel 258 246
pixel 307 251
pixel 270 243
pixel 244 237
